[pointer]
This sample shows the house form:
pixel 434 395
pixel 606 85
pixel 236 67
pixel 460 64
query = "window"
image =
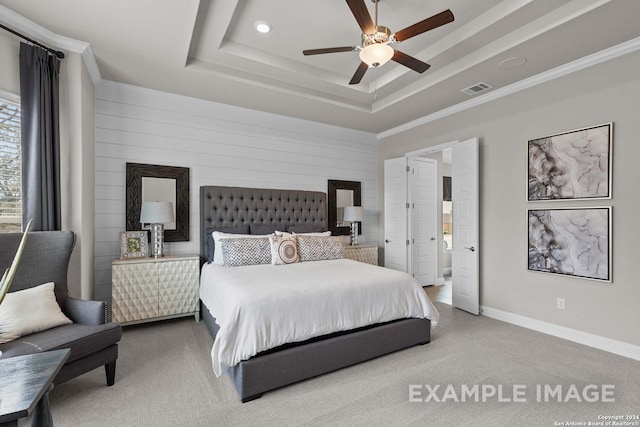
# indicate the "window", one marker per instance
pixel 10 168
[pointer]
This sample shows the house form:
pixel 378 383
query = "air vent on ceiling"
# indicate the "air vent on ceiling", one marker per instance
pixel 476 88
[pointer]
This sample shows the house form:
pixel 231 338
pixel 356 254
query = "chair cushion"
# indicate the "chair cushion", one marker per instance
pixel 28 311
pixel 81 339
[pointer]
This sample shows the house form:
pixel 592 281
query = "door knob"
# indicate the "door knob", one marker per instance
pixel 432 239
pixel 472 249
pixel 387 241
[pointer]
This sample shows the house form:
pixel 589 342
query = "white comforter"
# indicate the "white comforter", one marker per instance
pixel 260 307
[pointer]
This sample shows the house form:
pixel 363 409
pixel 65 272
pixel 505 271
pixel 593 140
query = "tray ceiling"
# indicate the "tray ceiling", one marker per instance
pixel 210 49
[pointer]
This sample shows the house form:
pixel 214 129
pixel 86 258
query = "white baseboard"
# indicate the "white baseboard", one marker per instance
pixel 607 344
pixel 439 281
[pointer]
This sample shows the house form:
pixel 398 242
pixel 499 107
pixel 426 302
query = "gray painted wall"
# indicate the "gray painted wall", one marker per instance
pixel 600 94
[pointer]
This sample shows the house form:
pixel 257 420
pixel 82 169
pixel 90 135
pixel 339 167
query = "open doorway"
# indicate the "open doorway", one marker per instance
pixel 441 290
pixel 399 247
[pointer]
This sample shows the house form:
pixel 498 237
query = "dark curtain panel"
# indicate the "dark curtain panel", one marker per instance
pixel 446 188
pixel 39 94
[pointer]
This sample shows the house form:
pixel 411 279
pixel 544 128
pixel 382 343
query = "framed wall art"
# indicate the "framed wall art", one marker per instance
pixel 571 241
pixel 133 244
pixel 571 165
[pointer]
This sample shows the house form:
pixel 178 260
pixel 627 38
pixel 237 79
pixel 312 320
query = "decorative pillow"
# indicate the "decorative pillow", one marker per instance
pixel 266 228
pixel 306 228
pixel 28 311
pixel 284 249
pixel 246 251
pixel 242 229
pixel 217 235
pixel 317 248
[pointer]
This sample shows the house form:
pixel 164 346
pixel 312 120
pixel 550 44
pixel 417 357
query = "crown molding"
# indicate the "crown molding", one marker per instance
pixel 580 64
pixel 29 28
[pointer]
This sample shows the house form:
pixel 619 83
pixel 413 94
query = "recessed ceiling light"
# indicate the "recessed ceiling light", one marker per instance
pixel 262 26
pixel 512 63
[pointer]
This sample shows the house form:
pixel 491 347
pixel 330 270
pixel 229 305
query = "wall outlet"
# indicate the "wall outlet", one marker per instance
pixel 560 303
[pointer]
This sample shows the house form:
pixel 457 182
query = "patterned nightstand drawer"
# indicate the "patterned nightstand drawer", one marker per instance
pixel 362 253
pixel 150 289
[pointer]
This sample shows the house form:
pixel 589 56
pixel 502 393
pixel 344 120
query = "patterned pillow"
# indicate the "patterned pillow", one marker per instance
pixel 245 251
pixel 317 248
pixel 217 235
pixel 242 229
pixel 284 249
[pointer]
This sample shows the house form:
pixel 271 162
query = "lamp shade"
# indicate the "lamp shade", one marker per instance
pixel 353 213
pixel 376 54
pixel 156 212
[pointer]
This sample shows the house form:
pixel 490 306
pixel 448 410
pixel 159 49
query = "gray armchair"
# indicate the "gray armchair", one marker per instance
pixel 93 341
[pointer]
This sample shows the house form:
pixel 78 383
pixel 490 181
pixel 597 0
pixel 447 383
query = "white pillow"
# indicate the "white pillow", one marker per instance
pixel 217 235
pixel 28 311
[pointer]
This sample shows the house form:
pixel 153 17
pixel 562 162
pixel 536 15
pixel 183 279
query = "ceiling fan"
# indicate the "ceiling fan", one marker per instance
pixel 376 40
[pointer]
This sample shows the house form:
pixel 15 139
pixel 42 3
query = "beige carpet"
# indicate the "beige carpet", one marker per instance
pixel 164 378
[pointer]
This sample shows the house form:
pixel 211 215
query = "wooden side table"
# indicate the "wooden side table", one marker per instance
pixel 26 382
pixel 363 253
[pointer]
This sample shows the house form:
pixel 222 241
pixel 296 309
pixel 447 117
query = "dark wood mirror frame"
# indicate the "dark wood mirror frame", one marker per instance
pixel 332 215
pixel 135 173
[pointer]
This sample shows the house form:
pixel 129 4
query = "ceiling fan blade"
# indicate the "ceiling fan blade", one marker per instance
pixel 359 10
pixel 410 61
pixel 428 24
pixel 362 68
pixel 329 50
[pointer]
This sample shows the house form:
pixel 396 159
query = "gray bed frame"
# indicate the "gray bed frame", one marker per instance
pixel 229 207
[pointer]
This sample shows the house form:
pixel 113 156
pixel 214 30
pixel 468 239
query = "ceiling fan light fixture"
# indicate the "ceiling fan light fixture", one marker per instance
pixel 376 55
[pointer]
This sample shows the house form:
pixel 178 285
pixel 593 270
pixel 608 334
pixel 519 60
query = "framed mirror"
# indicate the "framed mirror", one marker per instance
pixel 156 183
pixel 341 194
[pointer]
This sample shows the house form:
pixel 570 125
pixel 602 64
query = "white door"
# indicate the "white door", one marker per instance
pixel 395 213
pixel 423 183
pixel 464 183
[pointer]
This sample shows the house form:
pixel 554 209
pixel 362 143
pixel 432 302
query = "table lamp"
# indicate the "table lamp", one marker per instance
pixel 157 214
pixel 354 215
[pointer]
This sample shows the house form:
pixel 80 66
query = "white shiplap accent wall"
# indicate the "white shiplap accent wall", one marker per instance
pixel 222 145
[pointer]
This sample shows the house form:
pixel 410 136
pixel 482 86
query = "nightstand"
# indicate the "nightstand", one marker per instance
pixel 362 253
pixel 146 289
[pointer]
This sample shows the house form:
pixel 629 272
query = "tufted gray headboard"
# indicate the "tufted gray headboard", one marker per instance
pixel 224 207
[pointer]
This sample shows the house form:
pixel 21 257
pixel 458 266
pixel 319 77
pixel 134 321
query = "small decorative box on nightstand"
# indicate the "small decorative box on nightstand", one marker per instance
pixel 362 253
pixel 145 289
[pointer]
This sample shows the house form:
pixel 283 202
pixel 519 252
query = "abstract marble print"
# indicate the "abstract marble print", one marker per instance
pixel 571 165
pixel 574 242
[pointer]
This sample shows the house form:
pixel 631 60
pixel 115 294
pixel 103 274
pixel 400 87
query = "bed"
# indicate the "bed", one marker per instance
pixel 305 354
